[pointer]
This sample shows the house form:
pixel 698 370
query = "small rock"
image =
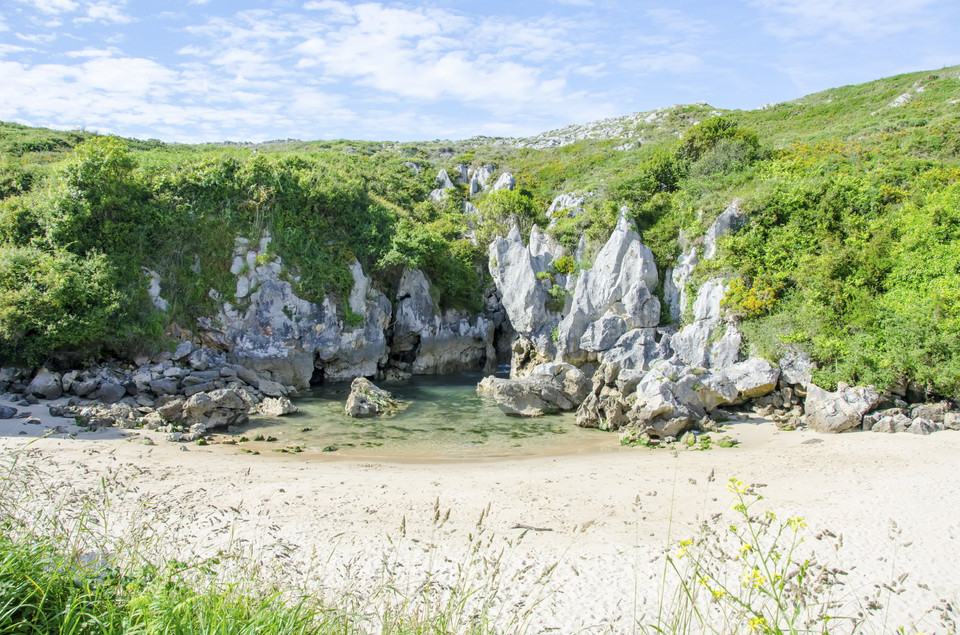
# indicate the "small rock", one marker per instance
pixel 183 350
pixel 7 412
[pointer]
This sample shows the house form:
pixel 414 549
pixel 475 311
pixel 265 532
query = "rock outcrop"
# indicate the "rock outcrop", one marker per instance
pixel 268 328
pixel 670 396
pixel 612 297
pixel 425 343
pixel 519 273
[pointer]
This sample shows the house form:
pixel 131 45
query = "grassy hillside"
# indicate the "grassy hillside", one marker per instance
pixel 851 252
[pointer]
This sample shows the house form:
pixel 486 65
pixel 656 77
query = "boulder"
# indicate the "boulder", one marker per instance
pixel 171 410
pixel 218 408
pixel 367 400
pixel 551 388
pixel 110 392
pixel 839 411
pixel 751 379
pixel 183 351
pixel 45 385
pixel 923 426
pixel 164 386
pixel 278 407
pixel 951 421
pixel 271 388
pixel 7 412
pixel 931 411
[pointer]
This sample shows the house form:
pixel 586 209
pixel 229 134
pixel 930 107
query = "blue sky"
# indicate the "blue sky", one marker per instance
pixel 209 70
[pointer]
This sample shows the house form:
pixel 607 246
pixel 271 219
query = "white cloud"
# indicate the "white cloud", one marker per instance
pixel 7 49
pixel 372 70
pixel 423 55
pixel 107 11
pixel 36 38
pixel 52 7
pixel 862 19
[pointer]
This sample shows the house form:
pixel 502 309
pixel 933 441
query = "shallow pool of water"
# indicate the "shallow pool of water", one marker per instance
pixel 445 420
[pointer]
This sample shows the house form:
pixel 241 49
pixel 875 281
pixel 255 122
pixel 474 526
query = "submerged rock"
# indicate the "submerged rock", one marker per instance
pixel 276 407
pixel 367 400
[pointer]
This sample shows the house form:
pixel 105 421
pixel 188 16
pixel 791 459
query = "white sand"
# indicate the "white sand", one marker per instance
pixel 335 524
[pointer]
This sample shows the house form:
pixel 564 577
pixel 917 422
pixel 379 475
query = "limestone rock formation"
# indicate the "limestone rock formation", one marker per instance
pixel 367 400
pixel 728 222
pixel 550 388
pixel 838 411
pixel 617 292
pixel 505 182
pixel 697 343
pixel 515 268
pixel 425 343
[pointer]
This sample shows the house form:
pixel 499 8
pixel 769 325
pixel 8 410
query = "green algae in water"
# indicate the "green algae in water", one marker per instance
pixel 445 419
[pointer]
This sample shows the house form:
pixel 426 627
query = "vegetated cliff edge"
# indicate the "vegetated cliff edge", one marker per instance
pixel 316 261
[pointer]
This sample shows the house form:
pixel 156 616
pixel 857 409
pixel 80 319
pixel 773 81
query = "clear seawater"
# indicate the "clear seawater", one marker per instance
pixel 445 420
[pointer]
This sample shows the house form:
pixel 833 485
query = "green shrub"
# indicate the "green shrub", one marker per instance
pixel 55 301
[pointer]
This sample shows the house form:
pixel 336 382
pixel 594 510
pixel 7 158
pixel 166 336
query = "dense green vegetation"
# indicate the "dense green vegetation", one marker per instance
pixel 851 252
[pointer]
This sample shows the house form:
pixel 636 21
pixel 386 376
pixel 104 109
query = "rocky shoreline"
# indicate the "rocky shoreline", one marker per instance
pixel 599 333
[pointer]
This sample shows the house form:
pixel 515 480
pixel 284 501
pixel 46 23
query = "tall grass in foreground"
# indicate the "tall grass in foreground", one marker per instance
pixel 63 572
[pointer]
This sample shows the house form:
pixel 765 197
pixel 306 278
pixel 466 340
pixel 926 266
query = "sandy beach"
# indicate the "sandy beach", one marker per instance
pixel 603 517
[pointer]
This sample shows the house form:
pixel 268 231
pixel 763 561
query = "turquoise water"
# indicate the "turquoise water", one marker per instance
pixel 445 420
